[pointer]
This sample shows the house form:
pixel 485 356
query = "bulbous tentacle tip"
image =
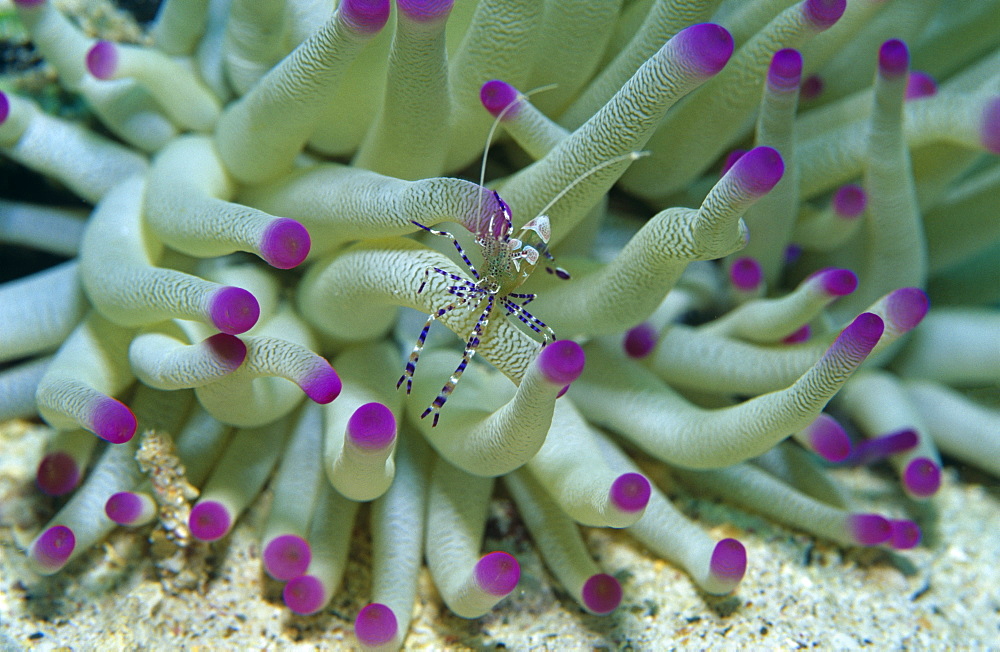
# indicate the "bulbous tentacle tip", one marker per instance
pixel 707 46
pixel 425 10
pixel 785 72
pixel 28 4
pixel 57 474
pixel 286 556
pixel 920 84
pixel 497 573
pixel 922 478
pixel 322 384
pixel 365 16
pixel 801 335
pixel 562 362
pixel 823 14
pixel 228 349
pixel 285 243
pixel 372 426
pixel 746 274
pixel 113 421
pixel 375 625
pixel 630 492
pixel 4 107
pixel 496 96
pixel 759 170
pixel 601 594
pixel 868 529
pixel 829 439
pixel 233 310
pixel 730 160
pixel 837 282
pixel 906 534
pixel 863 333
pixel 209 520
pixel 906 307
pixel 124 507
pixel 850 201
pixel 893 59
pixel 304 595
pixel 52 549
pixel 102 59
pixel 812 87
pixel 990 130
pixel 640 340
pixel 728 563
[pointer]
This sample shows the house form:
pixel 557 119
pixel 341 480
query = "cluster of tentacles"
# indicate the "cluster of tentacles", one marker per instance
pixel 250 137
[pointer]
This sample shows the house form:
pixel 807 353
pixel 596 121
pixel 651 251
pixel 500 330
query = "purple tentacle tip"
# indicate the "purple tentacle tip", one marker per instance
pixel 906 307
pixel 29 3
pixel 285 243
pixel 209 521
pixel 801 335
pixel 706 46
pixel 893 59
pixel 228 350
pixel 233 310
pixel 4 107
pixel 641 340
pixel 759 170
pixel 53 547
pixel 920 84
pixel 922 478
pixel 601 594
pixel 905 534
pixel 497 573
pixel 58 474
pixel 729 562
pixel 630 492
pixel 824 13
pixel 561 362
pixel 372 426
pixel 990 130
pixel 112 421
pixel 496 96
pixel 562 392
pixel 868 529
pixel 304 595
pixel 425 10
pixel 812 87
pixel 850 201
pixel 321 384
pixel 829 439
pixel 785 71
pixel 375 625
pixel 123 507
pixel 287 556
pixel 731 159
pixel 838 282
pixel 860 336
pixel 881 447
pixel 746 274
pixel 365 16
pixel 102 59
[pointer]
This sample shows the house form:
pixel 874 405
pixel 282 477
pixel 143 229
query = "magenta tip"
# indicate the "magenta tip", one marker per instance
pixel 228 350
pixel 990 130
pixel 838 282
pixel 375 625
pixel 801 335
pixel 365 16
pixel 372 427
pixel 425 10
pixel 321 384
pixel 729 562
pixel 601 594
pixel 746 274
pixel 561 362
pixel 861 335
pixel 209 521
pixel 920 84
pixel 906 307
pixel 878 448
pixel 850 201
pixel 285 243
pixel 304 595
pixel 630 492
pixel 4 107
pixel 905 534
pixel 287 556
pixel 233 310
pixel 812 87
pixel 829 439
pixel 707 47
pixel 785 71
pixel 124 507
pixel 893 59
pixel 869 529
pixel 731 159
pixel 824 13
pixel 102 59
pixel 29 3
pixel 57 473
pixel 640 340
pixel 51 550
pixel 112 421
pixel 496 96
pixel 562 392
pixel 497 573
pixel 922 478
pixel 759 170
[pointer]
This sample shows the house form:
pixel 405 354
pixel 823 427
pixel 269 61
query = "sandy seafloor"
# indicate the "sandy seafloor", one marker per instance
pixel 798 593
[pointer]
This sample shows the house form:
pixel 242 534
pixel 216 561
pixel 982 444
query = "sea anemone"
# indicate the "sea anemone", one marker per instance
pixel 280 192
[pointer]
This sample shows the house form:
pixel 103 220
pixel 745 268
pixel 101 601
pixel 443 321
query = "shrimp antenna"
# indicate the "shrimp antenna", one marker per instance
pixel 631 156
